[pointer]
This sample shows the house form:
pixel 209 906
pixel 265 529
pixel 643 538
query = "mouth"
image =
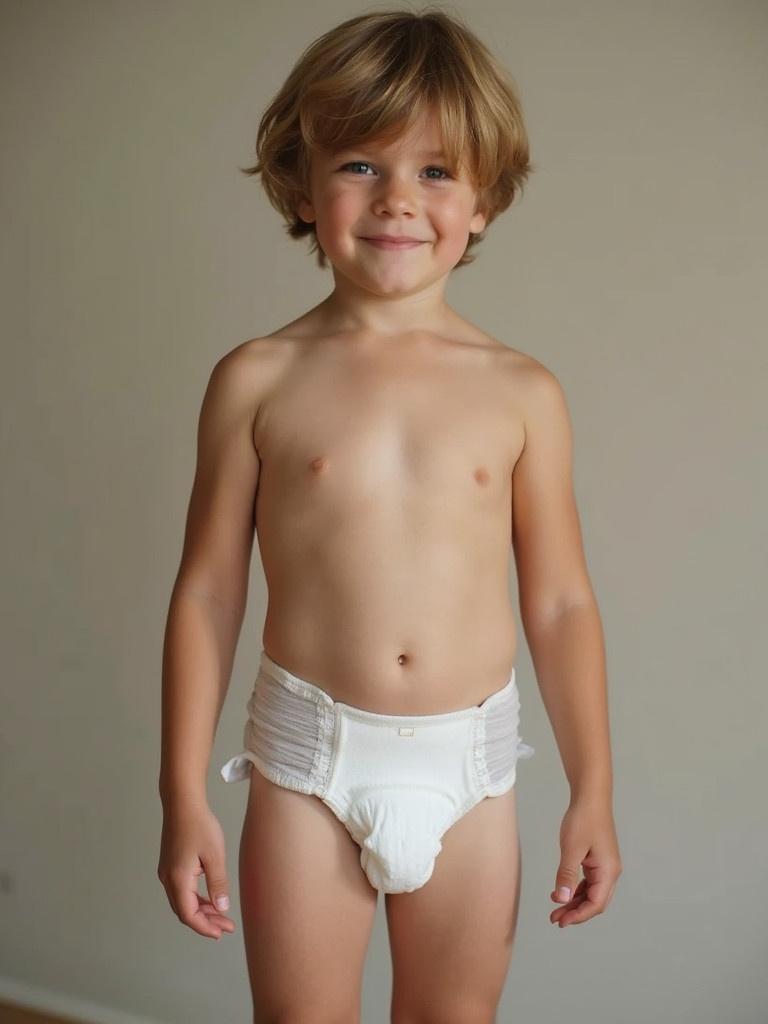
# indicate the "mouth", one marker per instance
pixel 389 243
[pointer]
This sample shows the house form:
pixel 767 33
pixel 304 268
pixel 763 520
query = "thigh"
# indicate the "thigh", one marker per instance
pixel 451 940
pixel 307 907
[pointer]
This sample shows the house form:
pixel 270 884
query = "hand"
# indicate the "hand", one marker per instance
pixel 193 844
pixel 587 838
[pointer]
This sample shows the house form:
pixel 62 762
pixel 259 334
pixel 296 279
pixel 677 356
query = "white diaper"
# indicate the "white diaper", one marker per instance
pixel 396 782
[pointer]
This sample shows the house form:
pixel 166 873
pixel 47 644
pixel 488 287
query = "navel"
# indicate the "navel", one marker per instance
pixel 319 464
pixel 402 659
pixel 482 475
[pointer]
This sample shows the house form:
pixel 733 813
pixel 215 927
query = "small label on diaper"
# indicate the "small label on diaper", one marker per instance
pixel 405 732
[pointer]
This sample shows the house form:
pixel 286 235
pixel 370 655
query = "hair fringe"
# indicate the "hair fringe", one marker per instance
pixel 371 77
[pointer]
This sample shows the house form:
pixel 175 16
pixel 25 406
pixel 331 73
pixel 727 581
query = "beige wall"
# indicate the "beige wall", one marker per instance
pixel 134 254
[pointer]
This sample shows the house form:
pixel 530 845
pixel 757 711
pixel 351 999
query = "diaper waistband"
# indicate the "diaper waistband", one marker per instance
pixel 312 692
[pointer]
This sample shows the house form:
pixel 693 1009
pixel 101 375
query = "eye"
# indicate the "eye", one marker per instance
pixel 444 171
pixel 364 163
pixel 354 163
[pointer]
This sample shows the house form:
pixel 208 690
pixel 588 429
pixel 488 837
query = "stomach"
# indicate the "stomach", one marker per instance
pixel 391 623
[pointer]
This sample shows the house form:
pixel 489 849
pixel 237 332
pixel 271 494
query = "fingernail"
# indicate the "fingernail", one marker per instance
pixel 563 893
pixel 223 903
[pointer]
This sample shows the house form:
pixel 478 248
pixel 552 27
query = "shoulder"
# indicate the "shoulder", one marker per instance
pixel 538 396
pixel 534 383
pixel 253 356
pixel 512 361
pixel 241 380
pixel 533 386
pixel 252 367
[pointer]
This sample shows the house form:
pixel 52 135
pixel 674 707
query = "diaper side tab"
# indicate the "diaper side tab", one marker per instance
pixel 238 767
pixel 498 745
pixel 286 736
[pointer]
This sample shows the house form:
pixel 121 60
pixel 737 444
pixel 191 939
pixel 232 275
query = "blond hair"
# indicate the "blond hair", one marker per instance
pixel 371 77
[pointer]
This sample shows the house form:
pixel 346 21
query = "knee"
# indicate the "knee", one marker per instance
pixel 307 1016
pixel 455 1012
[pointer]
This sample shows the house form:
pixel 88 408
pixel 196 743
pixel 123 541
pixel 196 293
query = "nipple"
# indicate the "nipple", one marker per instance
pixel 482 475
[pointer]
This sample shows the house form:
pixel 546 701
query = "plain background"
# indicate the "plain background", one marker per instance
pixel 135 254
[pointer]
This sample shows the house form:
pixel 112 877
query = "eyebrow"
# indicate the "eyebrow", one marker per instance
pixel 423 152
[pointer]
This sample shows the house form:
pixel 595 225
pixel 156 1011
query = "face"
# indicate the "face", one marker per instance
pixel 403 189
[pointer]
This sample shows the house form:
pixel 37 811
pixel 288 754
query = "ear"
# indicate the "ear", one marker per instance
pixel 478 223
pixel 479 220
pixel 306 210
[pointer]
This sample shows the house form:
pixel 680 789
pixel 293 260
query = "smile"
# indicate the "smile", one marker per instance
pixel 396 246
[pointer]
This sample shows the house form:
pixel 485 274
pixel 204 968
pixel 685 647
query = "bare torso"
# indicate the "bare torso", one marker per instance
pixel 384 514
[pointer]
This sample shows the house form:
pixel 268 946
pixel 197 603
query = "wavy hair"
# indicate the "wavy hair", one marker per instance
pixel 370 78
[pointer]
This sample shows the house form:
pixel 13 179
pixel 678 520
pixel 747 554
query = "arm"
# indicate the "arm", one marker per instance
pixel 564 633
pixel 557 605
pixel 209 596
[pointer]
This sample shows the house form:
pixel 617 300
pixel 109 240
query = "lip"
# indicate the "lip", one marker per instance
pixel 394 243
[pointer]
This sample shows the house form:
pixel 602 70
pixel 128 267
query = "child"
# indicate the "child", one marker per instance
pixel 388 454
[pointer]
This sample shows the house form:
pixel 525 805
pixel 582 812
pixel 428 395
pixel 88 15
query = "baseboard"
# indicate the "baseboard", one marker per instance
pixel 67 1007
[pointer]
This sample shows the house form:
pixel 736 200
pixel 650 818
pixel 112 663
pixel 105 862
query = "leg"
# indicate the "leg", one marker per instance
pixel 452 939
pixel 307 909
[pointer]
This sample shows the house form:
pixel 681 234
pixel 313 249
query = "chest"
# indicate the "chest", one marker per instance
pixel 384 429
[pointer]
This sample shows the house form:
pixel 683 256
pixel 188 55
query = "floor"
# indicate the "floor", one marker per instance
pixel 18 1015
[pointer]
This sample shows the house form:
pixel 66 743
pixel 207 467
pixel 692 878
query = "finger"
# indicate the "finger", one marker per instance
pixel 594 903
pixel 578 898
pixel 215 869
pixel 557 915
pixel 559 896
pixel 187 903
pixel 216 916
pixel 567 876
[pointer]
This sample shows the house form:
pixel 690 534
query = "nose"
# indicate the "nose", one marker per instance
pixel 394 196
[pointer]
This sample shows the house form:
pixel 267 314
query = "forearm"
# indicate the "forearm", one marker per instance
pixel 200 642
pixel 568 653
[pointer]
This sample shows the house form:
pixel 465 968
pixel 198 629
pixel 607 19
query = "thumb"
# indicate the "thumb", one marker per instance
pixel 565 883
pixel 216 883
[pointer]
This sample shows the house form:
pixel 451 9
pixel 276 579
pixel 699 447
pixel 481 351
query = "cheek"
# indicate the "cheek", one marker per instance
pixel 455 214
pixel 341 208
pixel 451 220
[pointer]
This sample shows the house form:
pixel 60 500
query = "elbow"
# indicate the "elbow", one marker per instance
pixel 230 601
pixel 541 614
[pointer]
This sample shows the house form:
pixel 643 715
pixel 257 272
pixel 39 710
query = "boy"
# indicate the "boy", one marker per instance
pixel 388 453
